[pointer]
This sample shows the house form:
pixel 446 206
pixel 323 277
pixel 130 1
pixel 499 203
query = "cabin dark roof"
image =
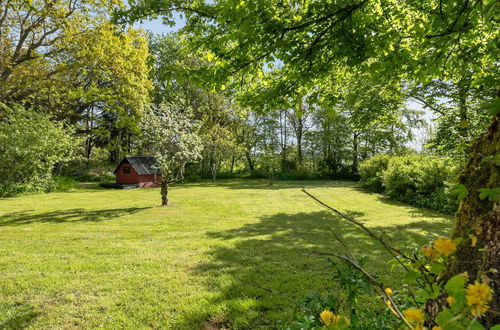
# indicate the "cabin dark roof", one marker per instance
pixel 142 165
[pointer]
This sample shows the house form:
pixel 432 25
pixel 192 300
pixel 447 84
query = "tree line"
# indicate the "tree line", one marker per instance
pixel 71 62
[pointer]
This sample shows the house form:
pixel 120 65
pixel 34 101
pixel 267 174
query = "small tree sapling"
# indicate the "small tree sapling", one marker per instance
pixel 170 135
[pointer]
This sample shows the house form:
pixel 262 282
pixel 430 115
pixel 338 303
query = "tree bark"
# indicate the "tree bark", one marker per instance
pixel 249 160
pixel 271 176
pixel 462 106
pixel 355 152
pixel 232 162
pixel 164 192
pixel 299 142
pixel 213 168
pixel 480 218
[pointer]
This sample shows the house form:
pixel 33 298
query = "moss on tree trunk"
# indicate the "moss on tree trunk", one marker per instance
pixel 478 218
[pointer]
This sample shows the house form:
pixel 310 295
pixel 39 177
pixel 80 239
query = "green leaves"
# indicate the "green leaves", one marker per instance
pixel 444 316
pixel 31 145
pixel 460 191
pixel 455 284
pixel 492 106
pixel 430 291
pixel 492 194
pixel 437 267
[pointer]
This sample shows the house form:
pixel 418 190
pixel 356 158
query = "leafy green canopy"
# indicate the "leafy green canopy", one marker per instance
pixel 313 40
pixel 34 29
pixel 65 58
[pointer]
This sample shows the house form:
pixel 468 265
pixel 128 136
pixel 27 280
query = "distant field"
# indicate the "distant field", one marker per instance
pixel 93 257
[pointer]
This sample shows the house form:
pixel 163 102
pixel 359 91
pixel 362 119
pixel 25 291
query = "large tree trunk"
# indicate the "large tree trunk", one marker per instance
pixel 164 192
pixel 480 218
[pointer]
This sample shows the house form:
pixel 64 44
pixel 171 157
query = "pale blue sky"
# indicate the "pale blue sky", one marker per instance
pixel 156 25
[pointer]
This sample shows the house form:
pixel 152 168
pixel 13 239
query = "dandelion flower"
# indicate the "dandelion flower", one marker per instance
pixel 450 300
pixel 444 246
pixel 414 315
pixel 388 291
pixel 478 296
pixel 327 316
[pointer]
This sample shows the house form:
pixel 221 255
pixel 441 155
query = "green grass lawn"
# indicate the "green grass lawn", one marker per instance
pixel 93 257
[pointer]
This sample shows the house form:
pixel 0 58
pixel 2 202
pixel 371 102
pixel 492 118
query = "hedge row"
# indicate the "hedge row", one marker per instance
pixel 419 180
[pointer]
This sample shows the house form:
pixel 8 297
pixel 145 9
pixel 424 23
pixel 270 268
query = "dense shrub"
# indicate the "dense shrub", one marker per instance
pixel 419 180
pixel 371 172
pixel 31 146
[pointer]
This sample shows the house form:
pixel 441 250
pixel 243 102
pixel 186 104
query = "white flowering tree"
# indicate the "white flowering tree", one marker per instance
pixel 170 135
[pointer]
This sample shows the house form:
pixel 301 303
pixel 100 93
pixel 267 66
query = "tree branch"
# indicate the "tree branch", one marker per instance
pixel 374 282
pixel 392 250
pixel 347 10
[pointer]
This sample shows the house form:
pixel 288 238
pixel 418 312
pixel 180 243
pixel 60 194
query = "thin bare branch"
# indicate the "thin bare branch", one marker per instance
pixel 392 250
pixel 374 282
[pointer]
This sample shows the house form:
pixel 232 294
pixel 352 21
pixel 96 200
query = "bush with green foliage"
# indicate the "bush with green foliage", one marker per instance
pixel 420 180
pixel 371 172
pixel 31 146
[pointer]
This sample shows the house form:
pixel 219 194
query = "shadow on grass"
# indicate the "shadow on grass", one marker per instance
pixel 264 184
pixel 71 215
pixel 19 317
pixel 277 253
pixel 416 212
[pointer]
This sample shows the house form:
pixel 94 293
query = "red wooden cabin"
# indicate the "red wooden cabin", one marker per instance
pixel 138 170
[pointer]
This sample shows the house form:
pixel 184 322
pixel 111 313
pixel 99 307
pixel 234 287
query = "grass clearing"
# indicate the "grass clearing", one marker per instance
pixel 92 257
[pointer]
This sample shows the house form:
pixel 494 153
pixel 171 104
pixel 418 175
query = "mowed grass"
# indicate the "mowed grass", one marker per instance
pixel 93 257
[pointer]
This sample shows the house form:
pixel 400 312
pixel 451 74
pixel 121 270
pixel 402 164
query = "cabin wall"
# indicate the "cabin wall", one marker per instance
pixel 144 181
pixel 131 177
pixel 148 181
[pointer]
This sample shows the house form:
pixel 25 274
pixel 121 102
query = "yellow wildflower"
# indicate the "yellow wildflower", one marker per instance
pixel 478 296
pixel 327 316
pixel 473 240
pixel 437 327
pixel 444 246
pixel 388 291
pixel 450 300
pixel 414 315
pixel 479 310
pixel 429 251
